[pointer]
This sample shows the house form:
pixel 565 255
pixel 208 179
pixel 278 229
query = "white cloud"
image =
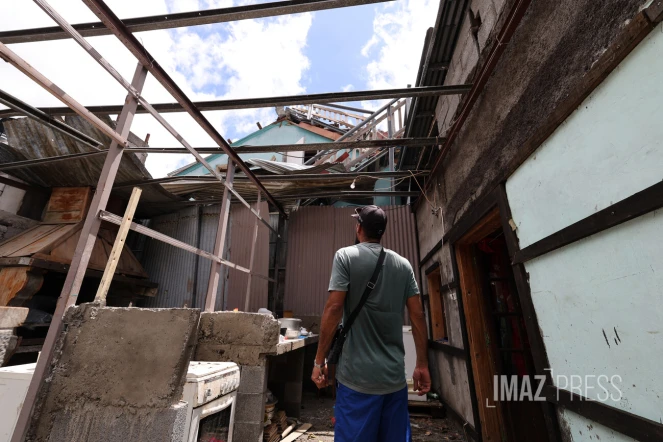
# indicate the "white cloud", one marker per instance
pixel 394 50
pixel 248 58
pixel 348 88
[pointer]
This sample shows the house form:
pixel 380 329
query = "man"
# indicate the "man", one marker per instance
pixel 371 400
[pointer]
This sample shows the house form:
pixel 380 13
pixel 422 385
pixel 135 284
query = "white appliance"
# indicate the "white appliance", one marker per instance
pixel 210 391
pixel 14 383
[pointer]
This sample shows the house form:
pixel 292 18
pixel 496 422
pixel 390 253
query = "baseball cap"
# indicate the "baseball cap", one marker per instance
pixel 372 218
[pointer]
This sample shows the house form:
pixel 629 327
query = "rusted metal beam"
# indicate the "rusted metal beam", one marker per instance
pixel 116 75
pixel 183 19
pixel 219 242
pixel 52 122
pixel 112 22
pixel 247 301
pixel 362 144
pixel 255 103
pixel 48 160
pixel 76 273
pixel 138 228
pixel 313 195
pixel 279 178
pixel 10 57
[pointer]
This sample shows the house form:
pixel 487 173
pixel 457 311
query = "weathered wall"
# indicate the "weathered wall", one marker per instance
pixel 183 276
pixel 133 395
pixel 314 236
pixel 554 46
pixel 604 316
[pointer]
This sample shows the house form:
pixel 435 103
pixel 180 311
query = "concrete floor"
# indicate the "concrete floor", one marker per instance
pixel 319 413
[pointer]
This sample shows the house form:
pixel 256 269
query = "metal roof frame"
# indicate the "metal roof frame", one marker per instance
pixel 262 102
pixel 183 19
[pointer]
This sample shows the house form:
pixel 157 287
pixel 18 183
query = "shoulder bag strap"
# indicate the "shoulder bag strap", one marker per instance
pixel 367 291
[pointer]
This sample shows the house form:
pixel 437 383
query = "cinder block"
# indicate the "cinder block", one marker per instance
pixel 250 408
pixel 249 432
pixel 116 358
pixel 253 380
pixel 243 338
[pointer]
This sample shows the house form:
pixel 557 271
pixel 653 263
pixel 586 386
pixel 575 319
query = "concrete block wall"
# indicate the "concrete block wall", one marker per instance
pixel 246 339
pixel 117 376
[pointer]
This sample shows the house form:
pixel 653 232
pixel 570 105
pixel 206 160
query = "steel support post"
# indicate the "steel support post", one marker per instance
pixel 221 230
pixel 253 254
pixel 82 254
pixel 390 130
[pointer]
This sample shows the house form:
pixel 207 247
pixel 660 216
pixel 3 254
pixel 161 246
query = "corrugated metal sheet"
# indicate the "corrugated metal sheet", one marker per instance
pixel 447 28
pixel 241 238
pixel 183 276
pixel 314 235
pixel 28 139
pixel 170 267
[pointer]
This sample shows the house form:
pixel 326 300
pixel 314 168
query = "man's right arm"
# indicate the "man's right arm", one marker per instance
pixel 421 376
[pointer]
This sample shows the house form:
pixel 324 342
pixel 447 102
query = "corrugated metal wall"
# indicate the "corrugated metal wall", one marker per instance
pixel 183 276
pixel 314 235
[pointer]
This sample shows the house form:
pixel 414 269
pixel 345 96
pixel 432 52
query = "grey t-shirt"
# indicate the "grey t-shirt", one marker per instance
pixel 373 357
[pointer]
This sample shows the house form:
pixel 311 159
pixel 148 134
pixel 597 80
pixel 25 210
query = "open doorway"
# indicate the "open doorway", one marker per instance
pixel 499 345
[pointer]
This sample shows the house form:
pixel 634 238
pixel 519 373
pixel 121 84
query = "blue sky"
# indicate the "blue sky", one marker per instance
pixel 364 47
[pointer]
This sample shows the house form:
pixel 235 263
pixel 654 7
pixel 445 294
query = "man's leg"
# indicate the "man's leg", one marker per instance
pixel 357 415
pixel 395 419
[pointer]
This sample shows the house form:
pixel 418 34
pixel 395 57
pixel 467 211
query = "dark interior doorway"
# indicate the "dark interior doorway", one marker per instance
pixel 499 345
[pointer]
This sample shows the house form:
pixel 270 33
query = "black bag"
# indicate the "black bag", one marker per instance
pixel 343 329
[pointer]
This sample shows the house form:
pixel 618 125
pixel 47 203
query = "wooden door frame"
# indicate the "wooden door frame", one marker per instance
pixel 480 335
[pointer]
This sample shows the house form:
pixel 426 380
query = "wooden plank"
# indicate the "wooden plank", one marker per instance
pixel 487 225
pixel 13 246
pixel 298 432
pixel 483 363
pixel 523 291
pixel 636 205
pixel 118 246
pixel 437 314
pixel 477 212
pixel 67 205
pixel 629 424
pixel 469 364
pixel 57 235
pixel 447 348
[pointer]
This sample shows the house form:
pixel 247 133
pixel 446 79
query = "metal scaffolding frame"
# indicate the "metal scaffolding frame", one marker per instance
pixel 135 103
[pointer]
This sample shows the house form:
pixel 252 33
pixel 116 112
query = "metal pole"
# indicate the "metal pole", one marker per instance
pixel 52 122
pixel 120 30
pixel 76 273
pixel 222 228
pixel 253 252
pixel 390 131
pixel 353 130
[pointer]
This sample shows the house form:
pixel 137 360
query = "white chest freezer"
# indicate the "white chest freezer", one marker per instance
pixel 14 383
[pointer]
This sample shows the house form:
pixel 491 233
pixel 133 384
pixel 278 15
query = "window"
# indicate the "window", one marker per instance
pixel 436 303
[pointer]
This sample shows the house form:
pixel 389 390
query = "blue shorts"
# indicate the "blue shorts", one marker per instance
pixel 364 417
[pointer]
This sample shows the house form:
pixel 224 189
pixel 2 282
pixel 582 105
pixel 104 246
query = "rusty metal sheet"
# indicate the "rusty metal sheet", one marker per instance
pixel 314 235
